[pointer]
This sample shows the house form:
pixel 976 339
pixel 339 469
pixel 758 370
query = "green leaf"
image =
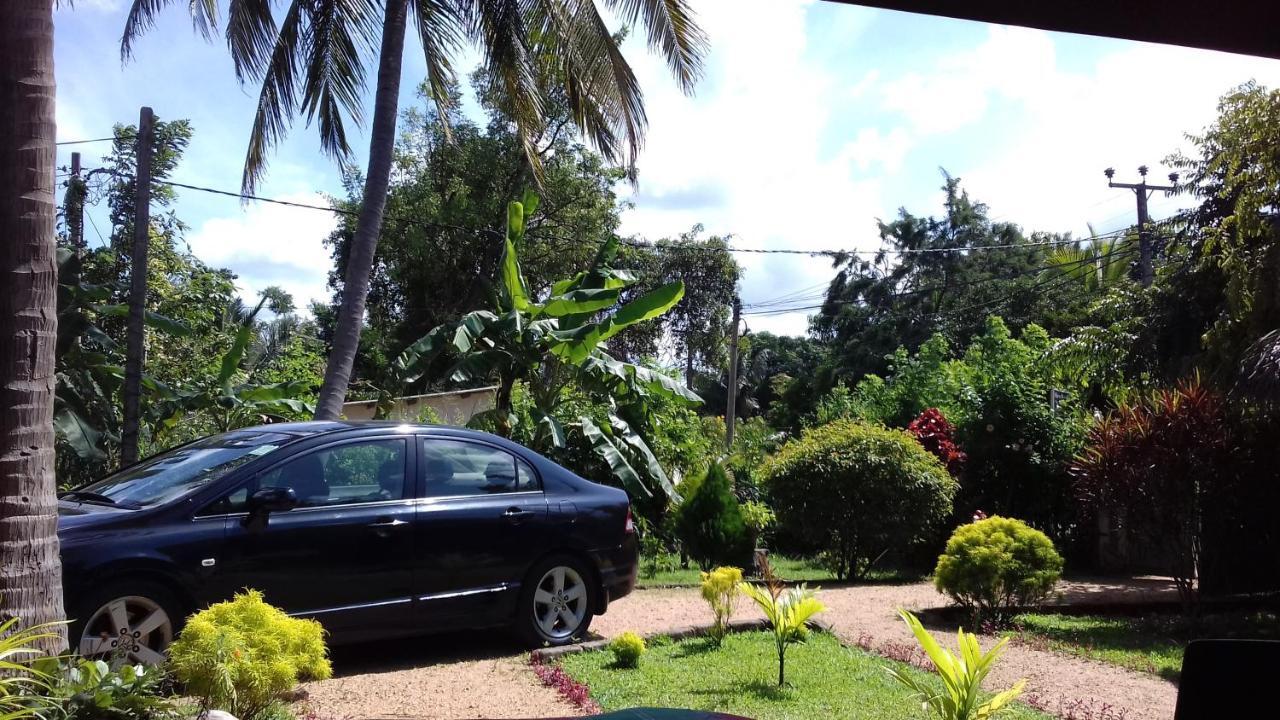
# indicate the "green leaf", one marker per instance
pixel 417 358
pixel 514 289
pixel 646 307
pixel 79 434
pixel 160 322
pixel 649 461
pixel 551 427
pixel 582 301
pixel 604 447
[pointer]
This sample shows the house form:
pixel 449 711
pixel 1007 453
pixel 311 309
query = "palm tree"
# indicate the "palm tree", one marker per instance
pixel 312 63
pixel 31 583
pixel 1101 262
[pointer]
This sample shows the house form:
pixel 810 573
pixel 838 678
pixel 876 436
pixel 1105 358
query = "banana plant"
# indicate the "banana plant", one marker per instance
pixel 787 610
pixel 962 695
pixel 231 398
pixel 555 344
pixel 89 361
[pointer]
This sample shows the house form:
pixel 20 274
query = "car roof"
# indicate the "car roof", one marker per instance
pixel 325 427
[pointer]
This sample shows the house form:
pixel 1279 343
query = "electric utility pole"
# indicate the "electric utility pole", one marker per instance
pixel 731 402
pixel 134 329
pixel 75 205
pixel 1146 273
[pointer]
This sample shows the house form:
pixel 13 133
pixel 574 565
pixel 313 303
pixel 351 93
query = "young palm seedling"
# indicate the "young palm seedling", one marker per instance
pixel 786 609
pixel 961 698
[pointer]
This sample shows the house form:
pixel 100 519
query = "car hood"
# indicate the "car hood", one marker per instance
pixel 74 515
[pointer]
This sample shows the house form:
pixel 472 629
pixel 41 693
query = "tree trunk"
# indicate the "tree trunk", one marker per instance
pixel 30 571
pixel 355 283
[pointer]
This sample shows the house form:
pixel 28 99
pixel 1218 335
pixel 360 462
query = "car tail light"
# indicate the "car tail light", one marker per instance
pixel 630 527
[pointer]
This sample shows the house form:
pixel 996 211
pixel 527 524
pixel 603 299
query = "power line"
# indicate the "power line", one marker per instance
pixel 82 142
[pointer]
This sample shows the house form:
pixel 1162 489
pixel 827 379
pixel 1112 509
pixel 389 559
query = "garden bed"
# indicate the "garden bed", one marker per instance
pixel 824 679
pixel 789 570
pixel 1150 643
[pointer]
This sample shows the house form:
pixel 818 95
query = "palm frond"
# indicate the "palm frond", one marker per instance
pixel 498 28
pixel 277 99
pixel 204 17
pixel 251 30
pixel 338 33
pixel 672 31
pixel 141 18
pixel 440 32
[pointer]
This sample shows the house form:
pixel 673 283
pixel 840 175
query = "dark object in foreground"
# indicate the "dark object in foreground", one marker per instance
pixel 375 529
pixel 1226 678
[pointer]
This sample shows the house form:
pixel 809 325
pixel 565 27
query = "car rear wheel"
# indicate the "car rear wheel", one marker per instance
pixel 127 624
pixel 556 604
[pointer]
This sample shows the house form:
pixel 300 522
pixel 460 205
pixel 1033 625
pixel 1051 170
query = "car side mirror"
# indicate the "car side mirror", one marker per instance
pixel 273 499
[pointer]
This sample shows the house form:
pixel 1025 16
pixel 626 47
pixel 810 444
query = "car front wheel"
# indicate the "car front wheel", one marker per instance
pixel 127 625
pixel 555 605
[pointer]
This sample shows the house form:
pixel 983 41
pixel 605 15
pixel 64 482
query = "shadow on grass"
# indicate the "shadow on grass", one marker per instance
pixel 700 646
pixel 759 689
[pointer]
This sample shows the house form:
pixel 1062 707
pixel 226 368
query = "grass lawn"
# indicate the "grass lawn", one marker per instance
pixel 793 569
pixel 1151 643
pixel 824 680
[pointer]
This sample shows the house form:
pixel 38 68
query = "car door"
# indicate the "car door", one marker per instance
pixel 344 555
pixel 482 521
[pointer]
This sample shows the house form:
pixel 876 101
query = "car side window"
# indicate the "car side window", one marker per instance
pixel 454 467
pixel 358 472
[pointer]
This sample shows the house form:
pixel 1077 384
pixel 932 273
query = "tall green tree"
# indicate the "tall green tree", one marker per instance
pixel 903 296
pixel 312 63
pixel 30 570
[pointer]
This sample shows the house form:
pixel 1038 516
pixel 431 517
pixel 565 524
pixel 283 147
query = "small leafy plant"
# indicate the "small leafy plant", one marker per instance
pixel 92 690
pixel 710 524
pixel 720 590
pixel 627 649
pixel 961 676
pixel 997 564
pixel 787 611
pixel 22 683
pixel 242 655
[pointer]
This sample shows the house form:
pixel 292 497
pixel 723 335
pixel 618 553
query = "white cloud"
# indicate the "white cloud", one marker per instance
pixel 272 245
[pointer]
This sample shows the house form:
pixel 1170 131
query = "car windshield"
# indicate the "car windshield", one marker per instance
pixel 180 471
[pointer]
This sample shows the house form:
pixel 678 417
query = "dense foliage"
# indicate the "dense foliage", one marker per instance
pixel 936 435
pixel 997 564
pixel 627 650
pixel 858 491
pixel 243 655
pixel 709 523
pixel 92 690
pixel 1157 467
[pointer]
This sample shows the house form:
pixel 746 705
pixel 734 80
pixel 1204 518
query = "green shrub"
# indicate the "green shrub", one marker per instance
pixel 91 690
pixel 242 655
pixel 710 525
pixel 627 649
pixel 994 565
pixel 858 490
pixel 720 590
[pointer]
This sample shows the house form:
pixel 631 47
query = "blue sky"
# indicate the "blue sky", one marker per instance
pixel 814 119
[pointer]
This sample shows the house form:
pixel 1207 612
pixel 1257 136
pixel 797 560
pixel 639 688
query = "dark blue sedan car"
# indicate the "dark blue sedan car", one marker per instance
pixel 376 530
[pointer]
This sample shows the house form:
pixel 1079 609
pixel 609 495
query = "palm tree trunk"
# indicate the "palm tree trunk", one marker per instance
pixel 355 284
pixel 30 571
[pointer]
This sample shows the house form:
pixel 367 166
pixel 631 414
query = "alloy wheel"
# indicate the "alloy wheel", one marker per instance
pixel 128 629
pixel 560 603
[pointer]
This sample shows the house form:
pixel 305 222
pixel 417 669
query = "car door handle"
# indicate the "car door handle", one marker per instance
pixel 383 526
pixel 516 515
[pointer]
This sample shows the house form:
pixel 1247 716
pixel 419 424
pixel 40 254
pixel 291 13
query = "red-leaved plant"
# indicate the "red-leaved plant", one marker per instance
pixel 935 434
pixel 1154 466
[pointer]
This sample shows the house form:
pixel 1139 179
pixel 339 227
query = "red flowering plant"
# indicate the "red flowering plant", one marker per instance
pixel 932 430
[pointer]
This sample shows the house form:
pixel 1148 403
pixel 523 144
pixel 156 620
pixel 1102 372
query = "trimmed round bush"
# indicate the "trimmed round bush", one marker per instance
pixel 858 490
pixel 995 565
pixel 244 654
pixel 627 649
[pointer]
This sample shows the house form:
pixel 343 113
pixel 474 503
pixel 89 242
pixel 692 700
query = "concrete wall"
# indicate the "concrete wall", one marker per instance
pixel 452 408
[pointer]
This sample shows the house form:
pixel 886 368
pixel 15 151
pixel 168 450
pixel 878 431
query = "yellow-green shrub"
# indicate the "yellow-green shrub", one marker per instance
pixel 242 655
pixel 720 590
pixel 994 565
pixel 627 649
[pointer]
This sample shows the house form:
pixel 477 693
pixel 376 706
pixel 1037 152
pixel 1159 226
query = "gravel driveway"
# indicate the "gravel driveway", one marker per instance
pixel 487 675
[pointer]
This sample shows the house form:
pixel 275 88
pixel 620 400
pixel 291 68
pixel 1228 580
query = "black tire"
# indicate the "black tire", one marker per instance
pixel 532 608
pixel 141 598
